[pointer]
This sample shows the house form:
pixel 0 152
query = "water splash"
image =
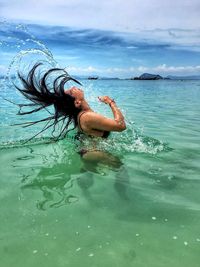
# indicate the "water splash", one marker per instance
pixel 23 45
pixel 130 141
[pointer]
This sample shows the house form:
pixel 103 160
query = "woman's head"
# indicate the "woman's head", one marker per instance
pixel 77 94
pixel 43 91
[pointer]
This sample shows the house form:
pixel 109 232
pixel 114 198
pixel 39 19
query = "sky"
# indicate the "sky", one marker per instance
pixel 107 38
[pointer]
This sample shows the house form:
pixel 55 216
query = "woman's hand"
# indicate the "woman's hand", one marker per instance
pixel 105 99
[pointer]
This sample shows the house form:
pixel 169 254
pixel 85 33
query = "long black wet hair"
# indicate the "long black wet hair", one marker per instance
pixel 42 95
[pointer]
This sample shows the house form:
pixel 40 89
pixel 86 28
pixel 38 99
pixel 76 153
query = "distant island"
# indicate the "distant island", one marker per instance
pixel 191 77
pixel 93 78
pixel 144 76
pixel 102 78
pixel 148 76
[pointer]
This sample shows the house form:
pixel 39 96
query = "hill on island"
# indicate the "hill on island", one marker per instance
pixel 148 76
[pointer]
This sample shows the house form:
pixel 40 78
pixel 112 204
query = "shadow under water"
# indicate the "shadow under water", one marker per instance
pixel 56 181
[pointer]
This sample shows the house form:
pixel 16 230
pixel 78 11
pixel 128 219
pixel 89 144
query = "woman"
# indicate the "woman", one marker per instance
pixel 92 123
pixel 70 106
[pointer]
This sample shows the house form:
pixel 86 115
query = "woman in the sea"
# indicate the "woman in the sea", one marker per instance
pixel 70 106
pixel 71 111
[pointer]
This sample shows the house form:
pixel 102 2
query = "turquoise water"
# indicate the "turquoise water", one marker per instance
pixel 136 203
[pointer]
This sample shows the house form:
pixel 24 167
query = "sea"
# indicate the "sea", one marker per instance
pixel 133 200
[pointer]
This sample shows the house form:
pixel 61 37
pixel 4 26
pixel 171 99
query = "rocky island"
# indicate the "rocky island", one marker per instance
pixel 93 78
pixel 148 76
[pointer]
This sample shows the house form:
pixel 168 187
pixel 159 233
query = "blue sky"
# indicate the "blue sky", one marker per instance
pixel 107 38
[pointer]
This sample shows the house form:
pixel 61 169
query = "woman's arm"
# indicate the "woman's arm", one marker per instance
pixel 119 118
pixel 99 122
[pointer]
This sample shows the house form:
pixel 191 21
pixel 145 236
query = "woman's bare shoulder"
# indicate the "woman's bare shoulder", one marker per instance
pixel 93 120
pixel 90 116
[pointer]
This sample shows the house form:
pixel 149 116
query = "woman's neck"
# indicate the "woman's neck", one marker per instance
pixel 85 106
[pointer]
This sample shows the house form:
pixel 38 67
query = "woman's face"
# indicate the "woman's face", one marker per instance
pixel 75 92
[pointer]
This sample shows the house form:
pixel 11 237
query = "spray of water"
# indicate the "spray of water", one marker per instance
pixel 24 49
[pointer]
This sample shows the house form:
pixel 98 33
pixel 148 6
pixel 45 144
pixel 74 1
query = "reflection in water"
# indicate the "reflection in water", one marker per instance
pixel 93 161
pixel 56 182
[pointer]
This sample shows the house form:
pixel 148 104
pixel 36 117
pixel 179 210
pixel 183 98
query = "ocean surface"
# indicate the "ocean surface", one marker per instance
pixel 135 202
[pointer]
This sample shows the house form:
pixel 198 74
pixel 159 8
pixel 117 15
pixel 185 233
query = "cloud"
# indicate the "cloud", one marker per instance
pixel 177 69
pixel 134 71
pixel 90 51
pixel 116 15
pixel 165 70
pixel 172 38
pixel 88 69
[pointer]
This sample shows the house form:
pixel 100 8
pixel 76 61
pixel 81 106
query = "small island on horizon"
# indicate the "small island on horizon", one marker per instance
pixel 93 78
pixel 149 76
pixel 146 77
pixel 143 77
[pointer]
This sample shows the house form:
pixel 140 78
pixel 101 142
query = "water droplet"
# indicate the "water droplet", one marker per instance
pixel 153 218
pixel 78 249
pixel 77 233
pixel 185 243
pixel 89 227
pixel 46 254
pixel 100 246
pixel 170 177
pixel 175 237
pixel 35 251
pixel 91 255
pixel 137 234
pixel 198 240
pixel 166 220
pixel 47 234
pixel 72 199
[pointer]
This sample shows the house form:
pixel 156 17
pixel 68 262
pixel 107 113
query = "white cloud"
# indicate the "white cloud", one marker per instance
pixel 178 69
pixel 117 15
pixel 160 69
pixel 134 71
pixel 130 71
pixel 142 69
pixel 178 37
pixel 131 47
pixel 173 70
pixel 86 70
